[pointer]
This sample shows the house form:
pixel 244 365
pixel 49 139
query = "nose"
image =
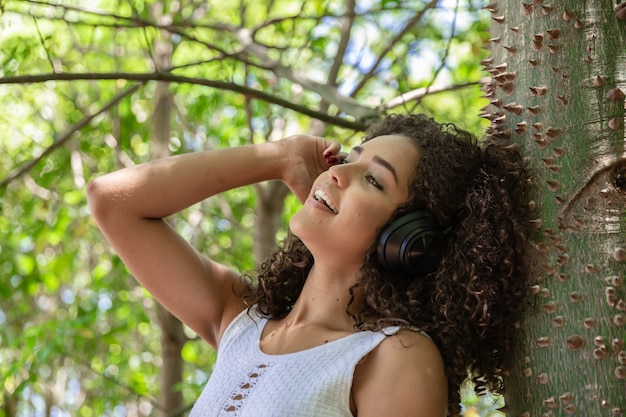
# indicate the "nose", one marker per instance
pixel 341 174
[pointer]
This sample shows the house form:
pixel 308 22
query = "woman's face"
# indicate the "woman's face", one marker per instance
pixel 349 203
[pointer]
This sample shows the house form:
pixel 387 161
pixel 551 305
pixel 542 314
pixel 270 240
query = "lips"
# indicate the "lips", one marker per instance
pixel 322 197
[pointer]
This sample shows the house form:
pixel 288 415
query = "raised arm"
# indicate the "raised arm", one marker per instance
pixel 129 206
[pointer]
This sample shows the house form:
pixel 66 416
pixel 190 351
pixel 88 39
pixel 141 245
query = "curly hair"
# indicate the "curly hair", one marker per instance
pixel 471 305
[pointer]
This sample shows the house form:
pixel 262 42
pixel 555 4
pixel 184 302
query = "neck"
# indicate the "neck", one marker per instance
pixel 325 297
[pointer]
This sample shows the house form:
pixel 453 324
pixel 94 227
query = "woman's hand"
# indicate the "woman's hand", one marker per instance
pixel 307 157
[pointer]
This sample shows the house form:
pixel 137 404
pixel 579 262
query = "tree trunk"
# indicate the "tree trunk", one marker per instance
pixel 559 73
pixel 271 200
pixel 172 335
pixel 9 403
pixel 172 341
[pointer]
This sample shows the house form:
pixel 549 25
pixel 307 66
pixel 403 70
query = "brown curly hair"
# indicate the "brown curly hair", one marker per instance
pixel 471 304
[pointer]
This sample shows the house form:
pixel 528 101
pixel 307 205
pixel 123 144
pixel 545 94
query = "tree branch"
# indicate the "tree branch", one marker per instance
pixel 43 44
pixel 65 136
pixel 135 22
pixel 412 22
pixel 221 85
pixel 445 54
pixel 346 29
pixel 328 93
pixel 249 46
pixel 421 92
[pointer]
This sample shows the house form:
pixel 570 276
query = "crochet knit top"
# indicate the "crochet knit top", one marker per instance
pixel 313 382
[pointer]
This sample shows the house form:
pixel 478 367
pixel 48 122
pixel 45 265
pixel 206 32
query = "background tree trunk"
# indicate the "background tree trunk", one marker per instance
pixel 559 72
pixel 271 200
pixel 172 335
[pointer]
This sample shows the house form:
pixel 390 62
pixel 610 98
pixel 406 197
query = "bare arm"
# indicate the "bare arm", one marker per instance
pixel 403 377
pixel 129 206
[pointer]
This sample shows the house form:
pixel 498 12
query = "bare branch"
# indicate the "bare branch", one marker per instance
pixel 446 52
pixel 250 47
pixel 149 45
pixel 129 23
pixel 277 20
pixel 419 93
pixel 328 93
pixel 43 44
pixel 221 85
pixel 79 9
pixel 65 136
pixel 346 28
pixel 409 25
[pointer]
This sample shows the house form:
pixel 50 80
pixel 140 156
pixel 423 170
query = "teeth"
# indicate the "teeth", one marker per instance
pixel 323 198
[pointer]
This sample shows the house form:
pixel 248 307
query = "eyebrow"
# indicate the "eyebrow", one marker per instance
pixel 380 161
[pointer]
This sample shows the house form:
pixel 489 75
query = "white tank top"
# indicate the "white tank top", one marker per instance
pixel 314 382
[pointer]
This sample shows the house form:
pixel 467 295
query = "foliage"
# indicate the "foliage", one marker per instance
pixel 77 335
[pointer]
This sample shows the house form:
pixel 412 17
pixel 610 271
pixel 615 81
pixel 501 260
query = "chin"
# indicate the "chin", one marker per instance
pixel 303 226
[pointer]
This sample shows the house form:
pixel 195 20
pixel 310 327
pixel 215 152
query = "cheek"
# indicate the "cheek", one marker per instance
pixel 370 219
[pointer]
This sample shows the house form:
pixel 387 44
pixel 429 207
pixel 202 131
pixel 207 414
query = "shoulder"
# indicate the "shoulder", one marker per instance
pixel 403 376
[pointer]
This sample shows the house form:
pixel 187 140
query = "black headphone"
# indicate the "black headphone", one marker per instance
pixel 412 243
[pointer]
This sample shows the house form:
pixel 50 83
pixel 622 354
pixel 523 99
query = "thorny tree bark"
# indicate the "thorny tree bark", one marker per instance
pixel 559 76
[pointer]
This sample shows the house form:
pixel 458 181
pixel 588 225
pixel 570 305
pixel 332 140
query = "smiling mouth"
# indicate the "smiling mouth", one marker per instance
pixel 322 197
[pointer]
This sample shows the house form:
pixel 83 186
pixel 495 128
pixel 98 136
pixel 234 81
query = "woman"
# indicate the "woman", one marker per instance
pixel 343 319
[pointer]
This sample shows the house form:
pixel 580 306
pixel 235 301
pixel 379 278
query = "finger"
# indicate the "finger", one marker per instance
pixel 333 154
pixel 335 159
pixel 332 160
pixel 332 148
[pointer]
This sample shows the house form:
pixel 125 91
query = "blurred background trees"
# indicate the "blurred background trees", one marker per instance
pixel 90 87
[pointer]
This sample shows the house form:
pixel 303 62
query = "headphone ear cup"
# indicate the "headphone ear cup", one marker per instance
pixel 411 243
